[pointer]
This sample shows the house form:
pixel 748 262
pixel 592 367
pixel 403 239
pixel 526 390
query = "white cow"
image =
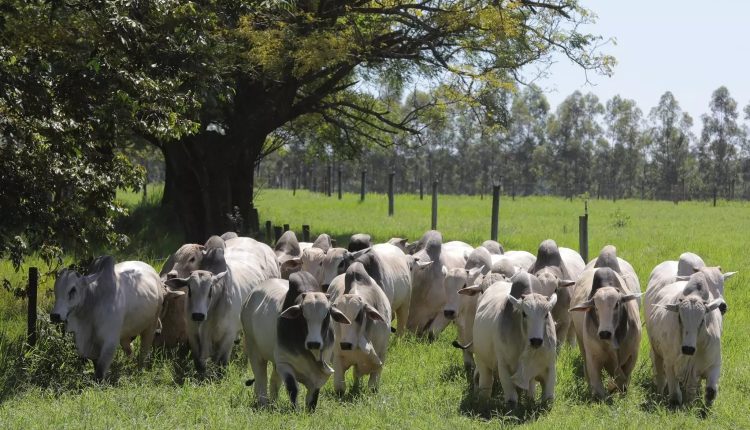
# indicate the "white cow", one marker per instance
pixel 684 328
pixel 426 315
pixel 191 257
pixel 514 337
pixel 520 260
pixel 607 324
pixel 289 324
pixel 111 306
pixel 363 343
pixel 215 300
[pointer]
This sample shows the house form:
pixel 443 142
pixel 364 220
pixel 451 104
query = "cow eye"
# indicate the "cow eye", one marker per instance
pixel 192 259
pixel 546 316
pixel 72 293
pixel 524 314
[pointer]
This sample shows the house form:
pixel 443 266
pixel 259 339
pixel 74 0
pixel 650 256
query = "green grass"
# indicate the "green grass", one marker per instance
pixel 422 385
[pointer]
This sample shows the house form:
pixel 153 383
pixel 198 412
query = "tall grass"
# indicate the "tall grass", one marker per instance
pixel 423 385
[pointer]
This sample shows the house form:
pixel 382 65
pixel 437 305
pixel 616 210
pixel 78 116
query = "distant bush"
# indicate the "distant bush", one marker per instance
pixel 619 219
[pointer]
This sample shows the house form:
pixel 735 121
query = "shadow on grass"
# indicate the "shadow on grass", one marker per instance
pixel 496 409
pixel 654 401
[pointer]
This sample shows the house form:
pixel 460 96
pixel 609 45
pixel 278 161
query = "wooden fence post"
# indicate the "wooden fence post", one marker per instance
pixel 362 188
pixel 277 233
pixel 390 193
pixel 269 232
pixel 583 233
pixel 330 181
pixel 495 211
pixel 434 204
pixel 286 227
pixel 339 182
pixel 31 294
pixel 305 233
pixel 421 190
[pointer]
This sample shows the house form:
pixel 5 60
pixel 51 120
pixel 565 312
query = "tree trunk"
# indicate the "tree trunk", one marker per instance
pixel 210 182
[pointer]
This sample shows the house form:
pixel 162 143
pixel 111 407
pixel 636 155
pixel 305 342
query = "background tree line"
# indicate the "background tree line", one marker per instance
pixel 606 149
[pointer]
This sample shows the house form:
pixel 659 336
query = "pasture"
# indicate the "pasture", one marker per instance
pixel 423 385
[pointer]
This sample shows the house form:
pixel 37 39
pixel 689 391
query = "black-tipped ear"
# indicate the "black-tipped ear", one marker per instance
pixel 292 312
pixel 176 283
pixel 339 316
pixel 373 313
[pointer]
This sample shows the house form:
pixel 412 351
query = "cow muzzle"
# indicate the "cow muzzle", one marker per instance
pixel 313 345
pixel 535 342
pixel 197 316
pixel 345 346
pixel 55 318
pixel 449 314
pixel 605 335
pixel 688 350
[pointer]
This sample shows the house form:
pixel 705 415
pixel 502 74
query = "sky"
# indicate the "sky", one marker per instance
pixel 687 47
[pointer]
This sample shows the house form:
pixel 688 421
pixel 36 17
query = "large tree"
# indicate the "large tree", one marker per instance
pixel 670 139
pixel 721 139
pixel 217 85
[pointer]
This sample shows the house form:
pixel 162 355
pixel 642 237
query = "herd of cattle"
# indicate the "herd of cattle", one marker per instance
pixel 314 310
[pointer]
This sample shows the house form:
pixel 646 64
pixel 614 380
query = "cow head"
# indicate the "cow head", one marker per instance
pixel 317 312
pixel 313 260
pixel 359 314
pixel 203 287
pixel 187 259
pixel 692 311
pixel 606 303
pixel 535 310
pixel 713 279
pixel 70 292
pixel 455 280
pixel 551 279
pixel 348 258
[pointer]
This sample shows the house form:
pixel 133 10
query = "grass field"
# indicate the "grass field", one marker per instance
pixel 422 384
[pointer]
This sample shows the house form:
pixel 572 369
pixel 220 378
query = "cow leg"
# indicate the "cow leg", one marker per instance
pixel 224 350
pixel 402 316
pixel 127 346
pixel 594 372
pixel 483 388
pixel 311 400
pixel 260 372
pixel 623 379
pixel 339 375
pixel 357 376
pixel 548 383
pixel 659 377
pixel 374 380
pixel 275 384
pixel 561 332
pixel 571 335
pixel 290 382
pixel 196 350
pixel 712 384
pixel 147 340
pixel 675 395
pixel 106 354
pixel 438 325
pixel 510 394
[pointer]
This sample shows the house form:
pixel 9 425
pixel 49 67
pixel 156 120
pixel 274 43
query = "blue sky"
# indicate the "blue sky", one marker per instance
pixel 687 47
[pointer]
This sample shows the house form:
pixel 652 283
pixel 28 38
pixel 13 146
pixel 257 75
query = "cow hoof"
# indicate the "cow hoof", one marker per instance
pixel 710 395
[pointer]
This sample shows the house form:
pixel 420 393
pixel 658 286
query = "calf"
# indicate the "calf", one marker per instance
pixel 112 305
pixel 684 328
pixel 608 327
pixel 514 337
pixel 363 343
pixel 289 324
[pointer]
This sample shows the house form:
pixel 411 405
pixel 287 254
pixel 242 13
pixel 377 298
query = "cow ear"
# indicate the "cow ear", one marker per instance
pixel 91 277
pixel 714 305
pixel 583 307
pixel 373 313
pixel 292 312
pixel 672 307
pixel 728 275
pixel 423 264
pixel 339 316
pixel 516 303
pixel 218 277
pixel 470 291
pixel 562 283
pixel 474 271
pixel 552 300
pixel 444 270
pixel 176 283
pixel 629 297
pixel 173 294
